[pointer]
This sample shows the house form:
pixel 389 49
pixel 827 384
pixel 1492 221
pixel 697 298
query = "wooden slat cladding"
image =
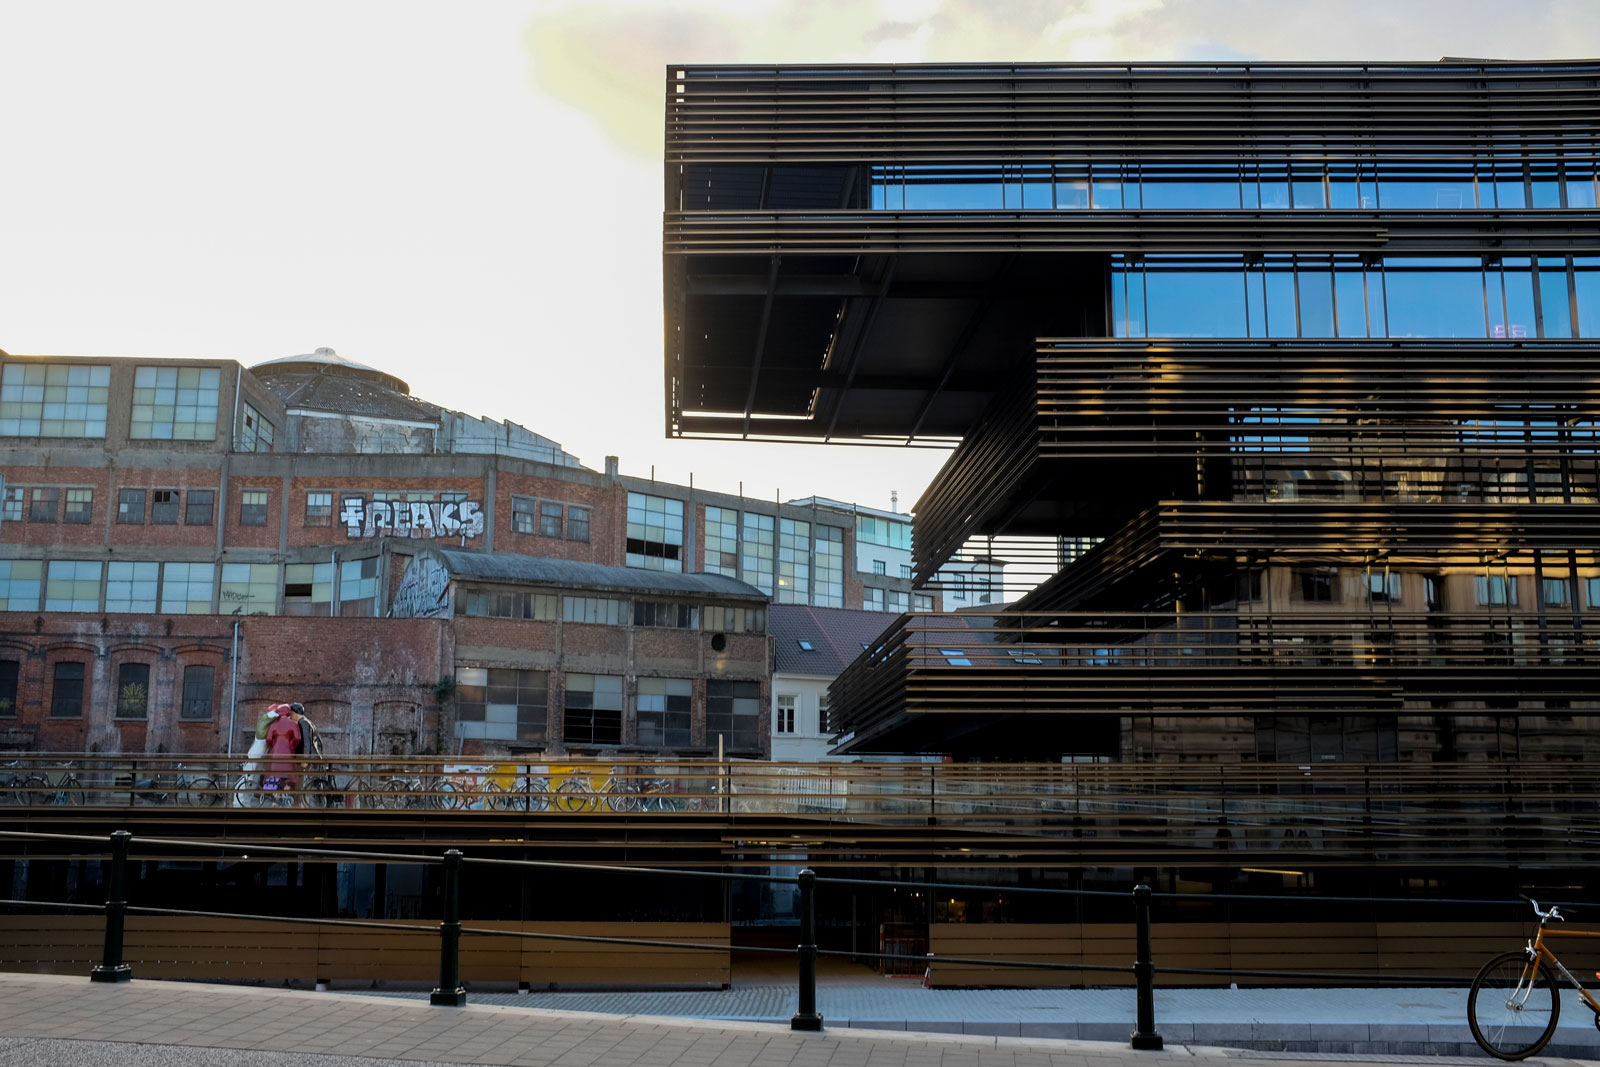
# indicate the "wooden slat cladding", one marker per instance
pixel 200 947
pixel 1400 400
pixel 744 232
pixel 1453 950
pixel 1161 111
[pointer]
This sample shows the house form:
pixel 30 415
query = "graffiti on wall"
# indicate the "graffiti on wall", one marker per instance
pixel 424 591
pixel 411 518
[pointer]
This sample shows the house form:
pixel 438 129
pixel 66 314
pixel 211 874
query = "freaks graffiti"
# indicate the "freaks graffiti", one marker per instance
pixel 411 518
pixel 423 592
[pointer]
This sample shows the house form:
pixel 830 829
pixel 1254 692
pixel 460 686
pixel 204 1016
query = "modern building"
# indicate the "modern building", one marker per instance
pixel 186 540
pixel 1278 383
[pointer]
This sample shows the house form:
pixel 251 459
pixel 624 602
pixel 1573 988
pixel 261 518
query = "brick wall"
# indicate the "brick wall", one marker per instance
pixel 361 679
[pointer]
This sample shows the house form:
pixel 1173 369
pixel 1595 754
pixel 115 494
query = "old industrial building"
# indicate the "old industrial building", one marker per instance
pixel 184 541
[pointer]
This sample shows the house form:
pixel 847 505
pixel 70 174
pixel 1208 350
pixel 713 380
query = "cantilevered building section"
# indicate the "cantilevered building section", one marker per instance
pixel 1309 354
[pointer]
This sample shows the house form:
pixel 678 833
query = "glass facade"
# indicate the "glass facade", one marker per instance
pixel 1503 297
pixel 1259 184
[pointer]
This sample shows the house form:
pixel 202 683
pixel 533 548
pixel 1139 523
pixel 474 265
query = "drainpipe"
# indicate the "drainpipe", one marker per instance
pixel 233 695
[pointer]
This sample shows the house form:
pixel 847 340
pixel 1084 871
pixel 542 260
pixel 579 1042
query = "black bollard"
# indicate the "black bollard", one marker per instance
pixel 1144 974
pixel 807 1018
pixel 450 992
pixel 111 968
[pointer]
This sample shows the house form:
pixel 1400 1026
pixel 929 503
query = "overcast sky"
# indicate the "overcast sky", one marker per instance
pixel 467 194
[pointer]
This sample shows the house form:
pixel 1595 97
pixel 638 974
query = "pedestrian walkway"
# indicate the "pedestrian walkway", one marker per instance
pixel 1390 1021
pixel 59 1020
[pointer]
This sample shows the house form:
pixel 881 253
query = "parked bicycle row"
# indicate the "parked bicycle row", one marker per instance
pixel 522 787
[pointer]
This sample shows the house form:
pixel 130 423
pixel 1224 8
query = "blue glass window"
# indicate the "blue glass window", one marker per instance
pixel 1553 298
pixel 1408 189
pixel 1434 297
pixel 1190 187
pixel 1072 190
pixel 1350 296
pixel 1316 302
pixel 1197 300
pixel 1513 318
pixel 1586 278
pixel 1545 187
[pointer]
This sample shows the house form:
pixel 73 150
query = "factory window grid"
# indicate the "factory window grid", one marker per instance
pixel 733 713
pixel 592 714
pixel 358 586
pixel 43 506
pixel 794 561
pixel 503 703
pixel 828 549
pixel 14 499
pixel 257 433
pixel 248 589
pixel 319 508
pixel 549 519
pixel 186 588
pixel 67 690
pixel 253 507
pixel 522 514
pixel 198 683
pixel 307 588
pixel 655 533
pixel 53 400
pixel 662 710
pixel 72 585
pixel 665 614
pixel 577 523
pixel 721 548
pixel 132 587
pixel 756 552
pixel 175 403
pixel 497 604
pixel 164 507
pixel 717 617
pixel 198 507
pixel 600 610
pixel 79 506
pixel 21 582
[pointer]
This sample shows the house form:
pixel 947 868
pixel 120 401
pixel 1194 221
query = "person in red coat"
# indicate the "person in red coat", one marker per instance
pixel 283 736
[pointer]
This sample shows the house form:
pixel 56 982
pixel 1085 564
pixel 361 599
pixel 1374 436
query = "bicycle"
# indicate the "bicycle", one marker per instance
pixel 189 790
pixel 14 784
pixel 60 788
pixel 1514 1004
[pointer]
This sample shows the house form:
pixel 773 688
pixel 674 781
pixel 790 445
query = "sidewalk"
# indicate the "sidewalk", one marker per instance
pixel 58 1020
pixel 1389 1021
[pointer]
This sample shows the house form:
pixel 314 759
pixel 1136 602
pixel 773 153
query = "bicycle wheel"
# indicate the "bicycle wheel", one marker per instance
pixel 200 792
pixel 36 791
pixel 573 794
pixel 1512 1011
pixel 320 792
pixel 247 792
pixel 69 791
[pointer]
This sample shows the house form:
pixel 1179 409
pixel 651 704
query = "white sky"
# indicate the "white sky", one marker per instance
pixel 468 194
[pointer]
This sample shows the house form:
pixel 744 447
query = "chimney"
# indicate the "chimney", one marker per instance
pixel 611 466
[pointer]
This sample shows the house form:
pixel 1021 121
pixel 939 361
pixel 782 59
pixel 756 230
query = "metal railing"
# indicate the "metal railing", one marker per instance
pixel 450 990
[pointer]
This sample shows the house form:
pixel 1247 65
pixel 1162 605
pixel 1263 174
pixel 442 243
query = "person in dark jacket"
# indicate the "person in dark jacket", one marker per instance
pixel 310 737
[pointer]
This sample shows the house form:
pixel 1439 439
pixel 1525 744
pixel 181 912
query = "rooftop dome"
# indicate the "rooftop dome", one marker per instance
pixel 327 361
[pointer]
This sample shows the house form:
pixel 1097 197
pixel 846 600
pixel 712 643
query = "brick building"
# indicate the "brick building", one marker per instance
pixel 185 541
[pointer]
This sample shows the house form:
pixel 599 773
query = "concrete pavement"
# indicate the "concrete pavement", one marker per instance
pixel 50 1020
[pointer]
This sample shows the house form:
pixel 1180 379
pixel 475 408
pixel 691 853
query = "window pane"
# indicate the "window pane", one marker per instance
pixel 1434 297
pixel 133 690
pixel 197 685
